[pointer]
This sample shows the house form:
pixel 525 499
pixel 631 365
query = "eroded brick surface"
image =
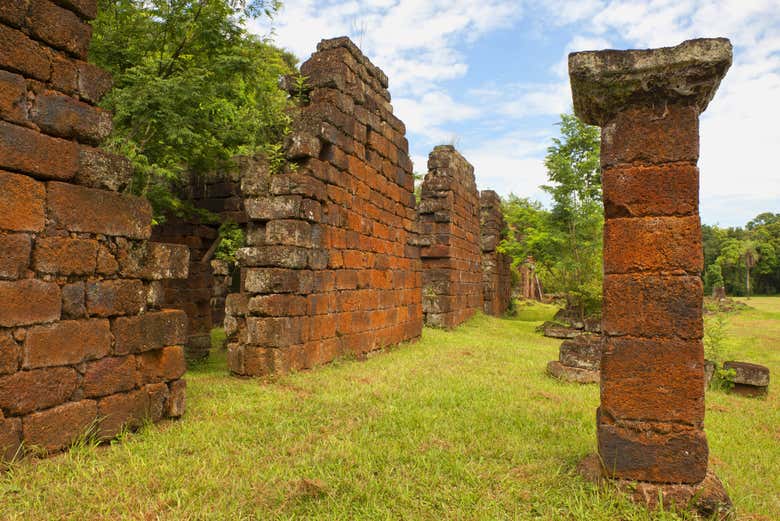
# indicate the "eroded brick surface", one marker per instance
pixel 330 268
pixel 74 254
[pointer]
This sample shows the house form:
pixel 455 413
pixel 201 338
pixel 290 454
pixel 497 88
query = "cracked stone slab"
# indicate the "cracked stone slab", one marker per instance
pixel 605 82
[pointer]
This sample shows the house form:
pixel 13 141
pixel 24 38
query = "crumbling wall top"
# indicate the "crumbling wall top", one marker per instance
pixel 605 82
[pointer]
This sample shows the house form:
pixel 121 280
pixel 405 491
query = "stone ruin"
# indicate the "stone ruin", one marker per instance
pixel 84 344
pixel 203 294
pixel 496 266
pixel 748 379
pixel 650 421
pixel 450 237
pixel 330 268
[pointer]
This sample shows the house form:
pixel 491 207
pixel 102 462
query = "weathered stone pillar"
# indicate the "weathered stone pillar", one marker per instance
pixel 650 422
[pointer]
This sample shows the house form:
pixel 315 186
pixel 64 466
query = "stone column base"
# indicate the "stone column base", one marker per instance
pixel 572 374
pixel 708 499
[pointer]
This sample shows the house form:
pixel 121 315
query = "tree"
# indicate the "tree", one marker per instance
pixel 566 241
pixel 573 169
pixel 192 88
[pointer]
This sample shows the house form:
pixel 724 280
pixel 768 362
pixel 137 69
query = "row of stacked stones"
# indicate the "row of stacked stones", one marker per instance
pixel 202 295
pixel 448 220
pixel 650 421
pixel 83 343
pixel 496 266
pixel 330 268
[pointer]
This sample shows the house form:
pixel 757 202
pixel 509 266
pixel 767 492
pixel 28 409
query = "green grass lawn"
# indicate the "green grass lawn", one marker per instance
pixel 461 425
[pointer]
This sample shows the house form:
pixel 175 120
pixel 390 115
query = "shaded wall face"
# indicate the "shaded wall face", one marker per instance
pixel 329 269
pixel 82 339
pixel 203 293
pixel 496 266
pixel 450 240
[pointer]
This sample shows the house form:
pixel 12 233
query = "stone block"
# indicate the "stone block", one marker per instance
pixel 68 118
pixel 10 438
pixel 56 429
pixel 284 305
pixel 654 190
pixel 10 354
pixel 29 301
pixel 653 305
pixel 59 27
pixel 21 203
pixel 158 398
pixel 161 365
pixel 110 298
pixel 80 209
pixel 103 170
pixel 13 98
pixel 39 155
pixel 651 135
pixel 15 259
pixel 109 375
pixel 74 303
pixel 27 391
pixel 674 456
pixel 653 244
pixel 271 280
pixel 572 374
pixel 65 256
pixel 119 411
pixel 68 342
pixel 653 380
pixel 154 261
pixel 177 399
pixel 84 8
pixel 583 351
pixel 93 82
pixel 275 331
pixel 21 54
pixel 274 256
pixel 149 331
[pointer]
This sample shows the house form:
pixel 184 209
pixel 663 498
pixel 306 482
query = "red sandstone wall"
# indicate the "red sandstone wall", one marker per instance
pixel 450 237
pixel 82 340
pixel 329 269
pixel 496 267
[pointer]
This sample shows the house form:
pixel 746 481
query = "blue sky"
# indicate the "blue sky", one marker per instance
pixel 490 76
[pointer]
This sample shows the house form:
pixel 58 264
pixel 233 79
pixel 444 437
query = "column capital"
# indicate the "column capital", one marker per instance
pixel 605 82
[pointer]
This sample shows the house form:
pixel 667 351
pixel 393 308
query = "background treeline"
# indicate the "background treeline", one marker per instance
pixel 192 88
pixel 729 252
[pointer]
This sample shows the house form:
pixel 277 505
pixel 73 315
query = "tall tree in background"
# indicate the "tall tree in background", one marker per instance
pixel 566 241
pixel 574 174
pixel 192 88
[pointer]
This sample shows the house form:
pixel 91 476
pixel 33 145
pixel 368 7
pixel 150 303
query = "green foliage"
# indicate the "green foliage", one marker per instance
pixel 726 249
pixel 192 88
pixel 714 276
pixel 566 241
pixel 231 238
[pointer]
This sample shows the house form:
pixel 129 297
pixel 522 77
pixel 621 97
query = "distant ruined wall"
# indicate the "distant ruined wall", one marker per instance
pixel 496 266
pixel 203 293
pixel 329 269
pixel 450 240
pixel 83 342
